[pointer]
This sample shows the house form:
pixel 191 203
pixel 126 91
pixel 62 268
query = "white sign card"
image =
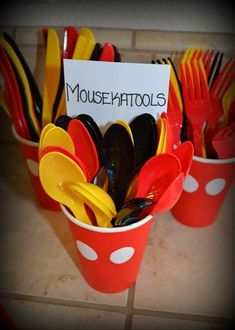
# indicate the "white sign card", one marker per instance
pixel 110 91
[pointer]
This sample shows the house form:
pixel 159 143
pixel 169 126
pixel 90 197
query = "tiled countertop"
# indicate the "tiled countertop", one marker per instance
pixel 186 280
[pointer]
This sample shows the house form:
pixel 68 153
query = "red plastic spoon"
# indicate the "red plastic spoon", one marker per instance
pixel 85 148
pixel 156 177
pixel 184 152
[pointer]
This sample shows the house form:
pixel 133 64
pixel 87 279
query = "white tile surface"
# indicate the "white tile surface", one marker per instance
pixel 37 254
pixel 190 270
pixel 32 316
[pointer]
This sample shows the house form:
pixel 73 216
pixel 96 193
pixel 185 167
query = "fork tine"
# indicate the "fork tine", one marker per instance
pixel 205 56
pixel 196 80
pixel 208 63
pixel 203 80
pixel 217 70
pixel 222 79
pixel 213 64
pixel 189 79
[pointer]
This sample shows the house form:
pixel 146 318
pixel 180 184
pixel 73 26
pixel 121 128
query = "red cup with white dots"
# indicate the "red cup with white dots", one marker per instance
pixel 204 191
pixel 109 258
pixel 29 150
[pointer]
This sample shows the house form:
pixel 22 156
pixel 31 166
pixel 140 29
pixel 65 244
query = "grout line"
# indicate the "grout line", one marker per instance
pixel 129 310
pixel 130 306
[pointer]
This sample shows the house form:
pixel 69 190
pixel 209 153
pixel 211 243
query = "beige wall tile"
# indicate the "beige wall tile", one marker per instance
pixel 154 40
pixel 136 57
pixel 120 38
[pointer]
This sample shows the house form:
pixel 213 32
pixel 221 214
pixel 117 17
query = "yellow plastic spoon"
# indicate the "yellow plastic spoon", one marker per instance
pixel 57 136
pixel 56 172
pixel 43 133
pixel 98 200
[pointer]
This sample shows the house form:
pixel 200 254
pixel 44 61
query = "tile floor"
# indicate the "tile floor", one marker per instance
pixel 186 279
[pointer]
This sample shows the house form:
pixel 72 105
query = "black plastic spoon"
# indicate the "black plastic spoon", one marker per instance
pixel 144 131
pixel 118 156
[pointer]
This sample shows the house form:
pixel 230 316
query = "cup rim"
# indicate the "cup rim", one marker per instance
pixel 213 161
pixel 23 140
pixel 103 229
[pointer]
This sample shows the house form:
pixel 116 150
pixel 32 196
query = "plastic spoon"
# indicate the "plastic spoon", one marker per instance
pixel 85 148
pixel 37 100
pixel 107 54
pixel 131 212
pixel 144 130
pixel 11 95
pixel 98 200
pixel 127 127
pixel 63 121
pixel 184 152
pixel 156 176
pixel 56 172
pixel 52 75
pixel 25 83
pixel 43 133
pixel 57 136
pixel 94 131
pixel 118 157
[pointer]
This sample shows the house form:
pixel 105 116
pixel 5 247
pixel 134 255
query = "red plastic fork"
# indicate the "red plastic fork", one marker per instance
pixel 197 101
pixel 217 90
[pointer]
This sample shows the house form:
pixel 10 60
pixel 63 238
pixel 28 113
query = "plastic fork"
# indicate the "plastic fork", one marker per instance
pixel 219 87
pixel 223 142
pixel 197 101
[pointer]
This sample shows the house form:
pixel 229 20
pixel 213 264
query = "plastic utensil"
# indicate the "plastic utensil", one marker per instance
pixel 71 35
pixel 127 127
pixel 184 152
pixel 144 131
pixel 26 113
pixel 85 148
pixel 161 135
pixel 224 141
pixel 169 197
pixel 88 34
pixel 197 101
pixel 56 172
pixel 11 95
pixel 168 141
pixel 107 54
pixel 67 153
pixel 156 176
pixel 63 121
pixel 18 68
pixel 222 81
pixel 94 131
pixel 43 133
pixel 118 156
pixel 95 56
pixel 52 75
pixel 98 200
pixel 131 212
pixel 57 136
pixel 36 96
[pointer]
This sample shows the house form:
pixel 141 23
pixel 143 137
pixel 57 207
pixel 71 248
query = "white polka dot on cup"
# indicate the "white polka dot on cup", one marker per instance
pixel 215 186
pixel 190 184
pixel 86 251
pixel 122 255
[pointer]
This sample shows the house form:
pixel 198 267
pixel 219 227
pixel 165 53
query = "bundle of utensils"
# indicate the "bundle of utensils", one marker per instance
pixel 19 93
pixel 114 179
pixel 201 103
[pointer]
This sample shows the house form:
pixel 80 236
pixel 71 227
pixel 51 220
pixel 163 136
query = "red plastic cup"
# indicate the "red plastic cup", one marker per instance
pixel 204 191
pixel 109 258
pixel 29 150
